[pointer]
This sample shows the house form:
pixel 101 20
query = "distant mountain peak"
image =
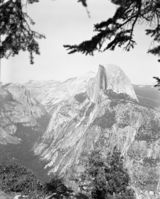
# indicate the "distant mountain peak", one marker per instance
pixel 112 77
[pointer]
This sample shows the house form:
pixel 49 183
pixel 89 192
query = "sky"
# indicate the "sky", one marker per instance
pixel 67 22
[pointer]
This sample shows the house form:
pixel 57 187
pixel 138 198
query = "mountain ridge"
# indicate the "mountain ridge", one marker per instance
pixel 81 114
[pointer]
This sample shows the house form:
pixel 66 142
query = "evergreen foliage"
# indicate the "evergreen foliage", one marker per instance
pixel 16 178
pixel 84 2
pixel 57 186
pixel 118 30
pixel 158 82
pixel 15 30
pixel 106 178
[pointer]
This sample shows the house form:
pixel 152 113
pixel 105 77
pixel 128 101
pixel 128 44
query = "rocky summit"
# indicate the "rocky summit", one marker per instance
pixel 94 111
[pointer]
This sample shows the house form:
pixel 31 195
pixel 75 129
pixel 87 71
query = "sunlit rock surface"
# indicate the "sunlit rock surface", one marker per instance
pixel 110 77
pixel 57 124
pixel 23 120
pixel 17 106
pixel 113 78
pixel 51 92
pixel 101 111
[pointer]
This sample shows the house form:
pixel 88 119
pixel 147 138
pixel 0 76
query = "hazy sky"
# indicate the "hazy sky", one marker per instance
pixel 66 22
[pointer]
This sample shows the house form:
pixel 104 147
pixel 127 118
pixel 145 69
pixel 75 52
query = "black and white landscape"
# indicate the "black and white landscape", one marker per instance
pixel 80 99
pixel 52 126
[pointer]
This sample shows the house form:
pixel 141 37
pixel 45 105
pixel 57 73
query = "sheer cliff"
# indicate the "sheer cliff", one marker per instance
pixel 101 111
pixel 22 121
pixel 52 126
pixel 110 77
pixel 113 78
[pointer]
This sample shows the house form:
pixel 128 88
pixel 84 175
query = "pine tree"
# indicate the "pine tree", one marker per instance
pixel 118 30
pixel 15 30
pixel 16 33
pixel 106 178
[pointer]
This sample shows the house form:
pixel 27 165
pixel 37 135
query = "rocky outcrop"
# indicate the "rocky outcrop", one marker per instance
pixel 50 93
pixel 94 111
pixel 102 111
pixel 119 82
pixel 17 106
pixel 113 78
pixel 109 77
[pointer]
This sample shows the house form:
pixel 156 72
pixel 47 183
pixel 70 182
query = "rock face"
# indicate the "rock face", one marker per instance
pixel 94 111
pixel 16 107
pixel 101 111
pixel 51 92
pixel 113 78
pixel 22 122
pixel 110 77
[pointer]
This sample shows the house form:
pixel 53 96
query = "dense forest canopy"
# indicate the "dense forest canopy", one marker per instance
pixel 106 177
pixel 17 33
pixel 15 29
